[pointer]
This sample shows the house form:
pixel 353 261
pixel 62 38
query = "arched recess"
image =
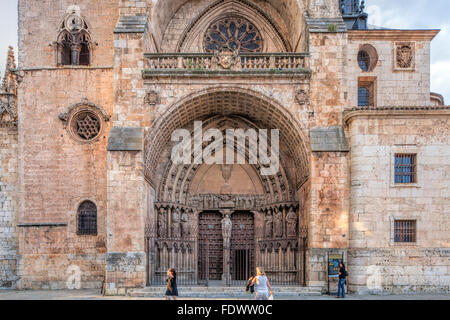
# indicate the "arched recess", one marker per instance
pixel 178 183
pixel 291 12
pixel 245 107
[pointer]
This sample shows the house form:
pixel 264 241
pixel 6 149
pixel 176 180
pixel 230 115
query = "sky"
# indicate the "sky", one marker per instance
pixel 395 14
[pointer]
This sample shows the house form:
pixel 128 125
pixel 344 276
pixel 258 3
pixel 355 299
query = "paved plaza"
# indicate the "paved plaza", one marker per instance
pixel 94 295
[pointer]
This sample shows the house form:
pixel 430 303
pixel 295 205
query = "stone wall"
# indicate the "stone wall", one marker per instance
pixel 377 263
pixel 8 205
pixel 39 22
pixel 127 208
pixel 57 172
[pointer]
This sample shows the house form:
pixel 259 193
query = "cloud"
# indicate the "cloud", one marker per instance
pixel 420 14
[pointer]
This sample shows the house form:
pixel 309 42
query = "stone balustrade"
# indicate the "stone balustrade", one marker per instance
pixel 244 63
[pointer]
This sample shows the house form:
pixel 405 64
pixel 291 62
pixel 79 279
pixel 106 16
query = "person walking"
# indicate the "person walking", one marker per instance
pixel 342 280
pixel 261 285
pixel 171 289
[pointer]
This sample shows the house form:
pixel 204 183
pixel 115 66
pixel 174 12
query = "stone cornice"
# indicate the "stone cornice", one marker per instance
pixel 42 225
pixel 397 35
pixel 372 112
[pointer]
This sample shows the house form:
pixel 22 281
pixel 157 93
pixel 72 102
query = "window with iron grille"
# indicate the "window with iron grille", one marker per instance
pixel 405 168
pixel 87 219
pixel 405 231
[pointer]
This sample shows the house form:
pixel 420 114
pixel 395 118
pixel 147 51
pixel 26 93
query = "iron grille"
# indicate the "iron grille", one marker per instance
pixel 405 168
pixel 87 219
pixel 405 231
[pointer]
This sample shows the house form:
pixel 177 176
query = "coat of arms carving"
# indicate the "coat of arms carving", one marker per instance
pixel 404 55
pixel 226 58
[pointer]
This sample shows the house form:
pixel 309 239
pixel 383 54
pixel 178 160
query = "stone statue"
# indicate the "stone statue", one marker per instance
pixel 268 220
pixel 176 223
pixel 278 223
pixel 291 221
pixel 162 223
pixel 185 226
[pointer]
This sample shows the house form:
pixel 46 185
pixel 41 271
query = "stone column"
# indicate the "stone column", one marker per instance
pixel 227 226
pixel 75 52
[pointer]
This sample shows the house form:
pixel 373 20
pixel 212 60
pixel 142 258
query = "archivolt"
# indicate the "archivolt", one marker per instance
pixel 250 11
pixel 291 12
pixel 176 180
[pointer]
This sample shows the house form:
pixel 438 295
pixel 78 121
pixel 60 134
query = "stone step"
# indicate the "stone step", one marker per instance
pixel 222 292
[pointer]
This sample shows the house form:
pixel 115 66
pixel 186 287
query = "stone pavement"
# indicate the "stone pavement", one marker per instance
pixel 94 295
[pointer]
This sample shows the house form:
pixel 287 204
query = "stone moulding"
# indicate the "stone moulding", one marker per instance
pixel 394 111
pixel 42 225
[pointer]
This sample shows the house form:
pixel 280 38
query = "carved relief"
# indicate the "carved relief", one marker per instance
pixel 152 98
pixel 268 221
pixel 277 223
pixel 227 227
pixel 185 224
pixel 225 58
pixel 301 96
pixel 226 174
pixel 176 231
pixel 162 223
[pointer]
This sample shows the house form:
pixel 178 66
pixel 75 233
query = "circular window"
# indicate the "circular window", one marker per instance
pixel 86 125
pixel 235 33
pixel 367 58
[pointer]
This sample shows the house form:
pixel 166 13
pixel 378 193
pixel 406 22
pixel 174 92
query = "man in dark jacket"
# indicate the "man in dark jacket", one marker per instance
pixel 342 280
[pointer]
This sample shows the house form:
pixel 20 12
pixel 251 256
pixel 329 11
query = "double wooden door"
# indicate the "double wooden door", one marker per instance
pixel 242 251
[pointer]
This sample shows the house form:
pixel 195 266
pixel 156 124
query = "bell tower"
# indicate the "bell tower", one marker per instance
pixel 353 13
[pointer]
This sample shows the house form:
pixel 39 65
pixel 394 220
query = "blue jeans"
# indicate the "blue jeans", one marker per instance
pixel 341 288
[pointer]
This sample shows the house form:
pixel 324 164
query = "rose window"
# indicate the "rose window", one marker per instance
pixel 235 33
pixel 87 126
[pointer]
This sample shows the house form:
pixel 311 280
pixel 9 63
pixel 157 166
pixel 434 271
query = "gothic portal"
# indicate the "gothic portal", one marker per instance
pixel 104 113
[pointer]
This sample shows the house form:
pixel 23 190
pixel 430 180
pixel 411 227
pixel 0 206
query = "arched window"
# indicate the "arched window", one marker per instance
pixel 64 49
pixel 74 42
pixel 363 97
pixel 85 49
pixel 87 219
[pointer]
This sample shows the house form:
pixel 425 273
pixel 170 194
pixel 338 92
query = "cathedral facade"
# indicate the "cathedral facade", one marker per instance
pixel 90 193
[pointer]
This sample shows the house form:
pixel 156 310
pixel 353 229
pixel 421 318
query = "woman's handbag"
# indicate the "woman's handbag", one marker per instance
pixel 249 288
